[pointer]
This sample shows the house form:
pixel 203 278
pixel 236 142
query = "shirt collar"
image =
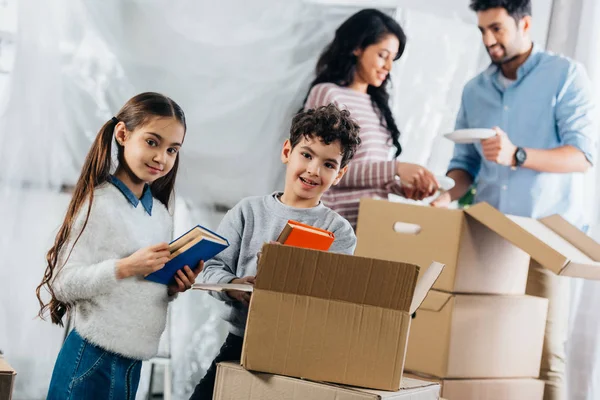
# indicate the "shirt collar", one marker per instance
pixel 532 61
pixel 146 198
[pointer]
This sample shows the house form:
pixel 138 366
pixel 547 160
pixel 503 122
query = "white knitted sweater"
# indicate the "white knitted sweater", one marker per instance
pixel 124 316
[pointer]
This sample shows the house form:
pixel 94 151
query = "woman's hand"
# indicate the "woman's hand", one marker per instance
pixel 417 181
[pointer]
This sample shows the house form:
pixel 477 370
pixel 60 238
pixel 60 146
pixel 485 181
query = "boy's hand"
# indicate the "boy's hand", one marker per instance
pixel 243 297
pixel 260 252
pixel 184 279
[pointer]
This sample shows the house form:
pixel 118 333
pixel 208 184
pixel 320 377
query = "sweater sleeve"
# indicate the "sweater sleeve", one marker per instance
pixel 368 174
pixel 80 276
pixel 223 267
pixel 345 239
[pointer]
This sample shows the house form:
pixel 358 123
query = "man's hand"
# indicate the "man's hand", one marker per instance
pixel 243 297
pixel 499 149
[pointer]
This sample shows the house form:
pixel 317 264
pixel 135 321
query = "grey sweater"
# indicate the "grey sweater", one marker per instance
pixel 250 224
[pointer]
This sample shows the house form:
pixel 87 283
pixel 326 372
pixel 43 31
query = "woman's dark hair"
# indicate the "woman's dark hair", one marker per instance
pixel 337 63
pixel 136 112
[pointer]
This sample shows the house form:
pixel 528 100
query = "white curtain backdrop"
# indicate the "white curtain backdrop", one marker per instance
pixel 574 31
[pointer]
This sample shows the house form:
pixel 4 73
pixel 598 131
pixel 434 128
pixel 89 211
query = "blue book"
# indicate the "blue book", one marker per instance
pixel 189 249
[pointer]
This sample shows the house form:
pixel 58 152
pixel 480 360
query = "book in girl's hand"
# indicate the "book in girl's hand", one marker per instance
pixel 298 234
pixel 198 244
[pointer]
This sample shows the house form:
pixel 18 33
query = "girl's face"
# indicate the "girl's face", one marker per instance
pixel 150 150
pixel 374 62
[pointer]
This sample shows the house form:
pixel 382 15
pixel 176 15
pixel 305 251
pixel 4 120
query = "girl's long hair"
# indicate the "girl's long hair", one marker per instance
pixel 96 169
pixel 337 63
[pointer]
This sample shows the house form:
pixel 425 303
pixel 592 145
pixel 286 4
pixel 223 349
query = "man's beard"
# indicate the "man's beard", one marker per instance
pixel 505 60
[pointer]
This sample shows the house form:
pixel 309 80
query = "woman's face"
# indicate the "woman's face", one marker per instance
pixel 374 62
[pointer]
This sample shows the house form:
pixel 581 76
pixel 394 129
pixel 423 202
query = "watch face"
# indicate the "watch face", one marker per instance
pixel 520 156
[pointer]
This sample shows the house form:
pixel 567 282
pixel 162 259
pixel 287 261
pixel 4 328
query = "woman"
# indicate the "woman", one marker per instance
pixel 353 73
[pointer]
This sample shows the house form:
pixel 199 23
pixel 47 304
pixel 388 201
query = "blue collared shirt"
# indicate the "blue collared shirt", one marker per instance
pixel 146 198
pixel 549 105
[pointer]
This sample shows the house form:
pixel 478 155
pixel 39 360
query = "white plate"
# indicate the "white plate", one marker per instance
pixel 470 135
pixel 446 183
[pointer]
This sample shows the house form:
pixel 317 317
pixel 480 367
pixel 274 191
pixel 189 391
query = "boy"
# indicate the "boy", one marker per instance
pixel 322 142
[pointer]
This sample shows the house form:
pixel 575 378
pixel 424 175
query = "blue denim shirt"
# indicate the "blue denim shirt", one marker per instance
pixel 146 198
pixel 549 105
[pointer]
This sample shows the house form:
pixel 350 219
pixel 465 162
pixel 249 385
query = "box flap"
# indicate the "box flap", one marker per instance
pixel 333 276
pixel 571 234
pixel 523 233
pixel 424 284
pixel 435 301
pixel 578 264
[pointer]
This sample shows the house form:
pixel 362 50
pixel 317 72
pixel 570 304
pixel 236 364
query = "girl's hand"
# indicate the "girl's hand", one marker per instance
pixel 184 279
pixel 144 261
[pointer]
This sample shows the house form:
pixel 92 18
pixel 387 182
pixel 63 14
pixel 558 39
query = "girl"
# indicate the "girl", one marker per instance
pixel 353 73
pixel 114 234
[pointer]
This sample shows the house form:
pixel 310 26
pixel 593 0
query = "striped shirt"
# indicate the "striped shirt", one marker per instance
pixel 372 171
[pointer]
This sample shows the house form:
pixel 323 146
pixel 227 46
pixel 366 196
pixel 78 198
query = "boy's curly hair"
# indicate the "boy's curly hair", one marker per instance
pixel 329 124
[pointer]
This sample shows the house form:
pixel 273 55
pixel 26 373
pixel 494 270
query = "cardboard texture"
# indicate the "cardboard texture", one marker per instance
pixel 484 250
pixel 493 389
pixel 235 383
pixel 477 259
pixel 7 379
pixel 477 336
pixel 331 317
pixel 488 389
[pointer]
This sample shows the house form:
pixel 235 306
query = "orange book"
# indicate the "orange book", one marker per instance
pixel 298 234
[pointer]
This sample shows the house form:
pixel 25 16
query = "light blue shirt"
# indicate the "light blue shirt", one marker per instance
pixel 146 198
pixel 549 105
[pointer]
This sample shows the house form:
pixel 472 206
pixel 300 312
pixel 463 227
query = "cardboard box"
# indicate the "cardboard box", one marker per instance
pixel 493 389
pixel 235 383
pixel 477 259
pixel 484 250
pixel 488 389
pixel 7 379
pixel 332 317
pixel 477 336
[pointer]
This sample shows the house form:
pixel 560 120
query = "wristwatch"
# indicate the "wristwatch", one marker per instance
pixel 520 156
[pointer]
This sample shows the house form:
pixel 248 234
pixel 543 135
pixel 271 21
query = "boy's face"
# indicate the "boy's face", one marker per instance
pixel 312 167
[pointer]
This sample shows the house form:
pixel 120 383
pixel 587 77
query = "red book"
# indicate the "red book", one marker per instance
pixel 298 234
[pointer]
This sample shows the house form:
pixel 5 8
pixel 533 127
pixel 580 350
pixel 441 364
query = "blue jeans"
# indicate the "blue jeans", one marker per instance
pixel 86 371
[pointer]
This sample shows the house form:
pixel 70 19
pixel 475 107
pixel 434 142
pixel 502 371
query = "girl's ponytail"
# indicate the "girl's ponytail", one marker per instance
pixel 95 171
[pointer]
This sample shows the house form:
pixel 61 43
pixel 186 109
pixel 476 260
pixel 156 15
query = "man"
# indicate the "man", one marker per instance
pixel 540 106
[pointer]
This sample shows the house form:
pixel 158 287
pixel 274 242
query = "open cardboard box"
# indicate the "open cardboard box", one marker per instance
pixel 332 317
pixel 484 250
pixel 235 383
